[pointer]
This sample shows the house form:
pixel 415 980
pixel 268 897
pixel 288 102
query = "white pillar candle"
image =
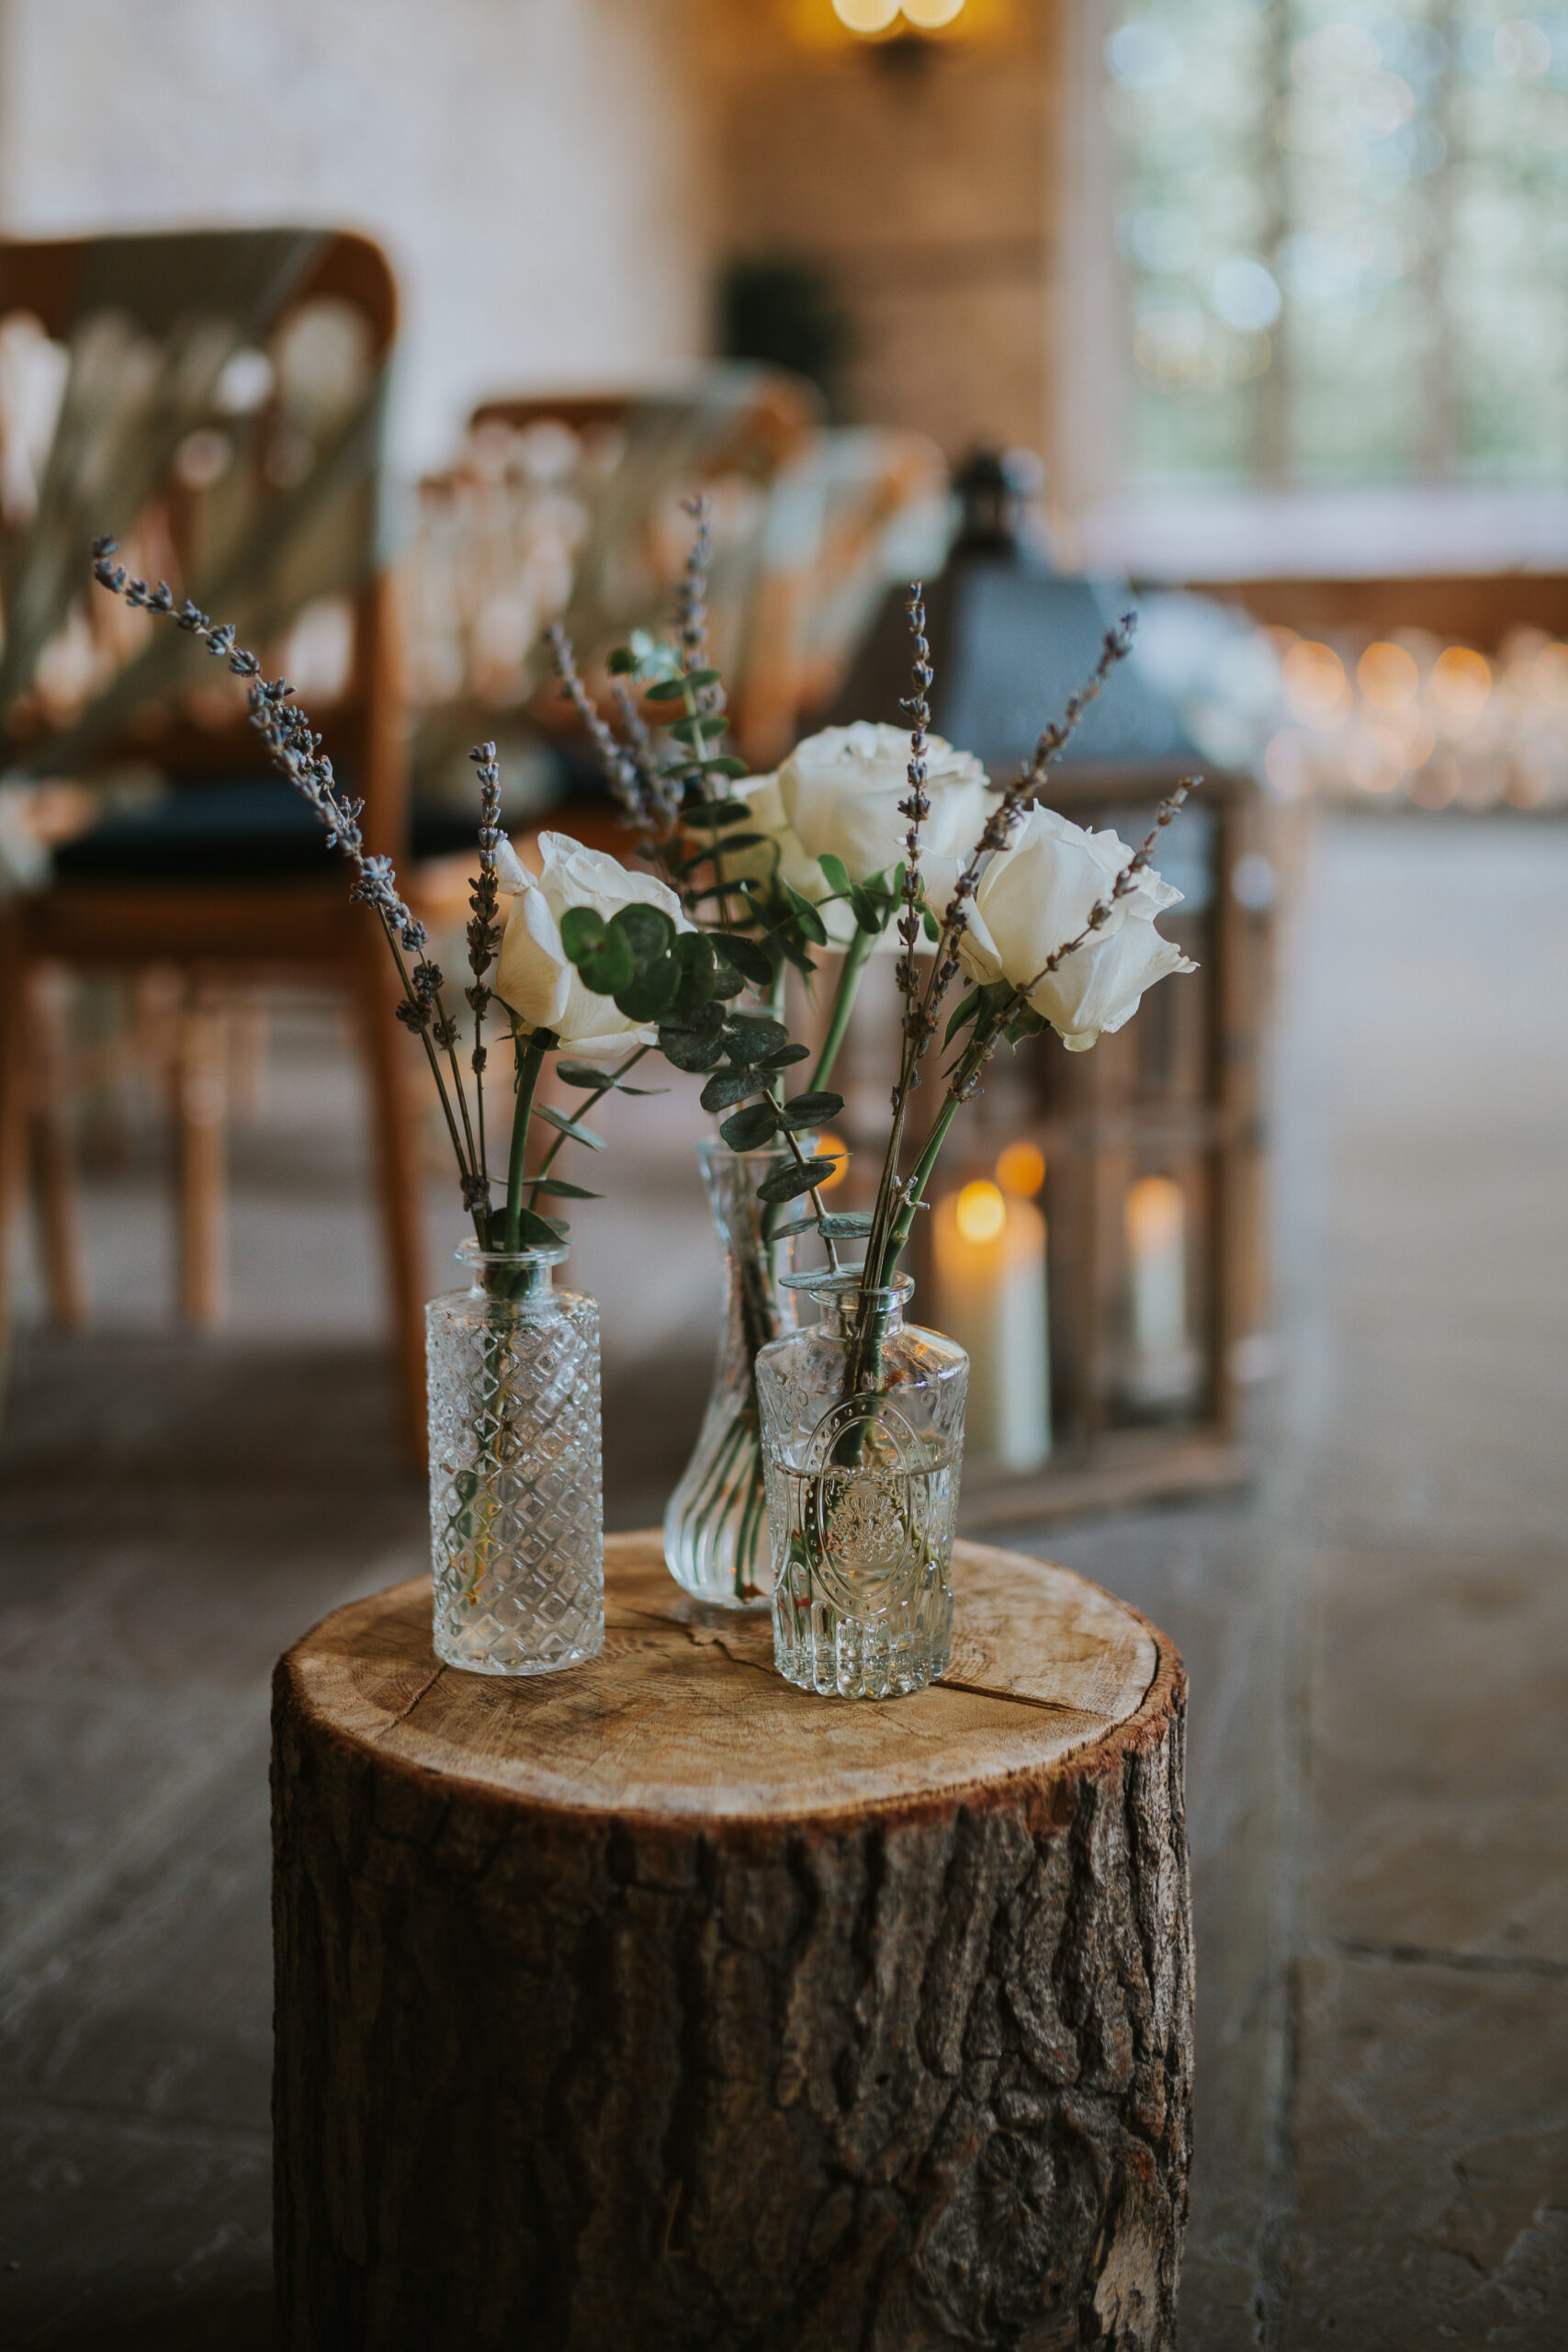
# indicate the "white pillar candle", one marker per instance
pixel 989 1259
pixel 1157 1262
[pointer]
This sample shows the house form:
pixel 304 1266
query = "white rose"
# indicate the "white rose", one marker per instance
pixel 533 975
pixel 782 856
pixel 1037 895
pixel 840 791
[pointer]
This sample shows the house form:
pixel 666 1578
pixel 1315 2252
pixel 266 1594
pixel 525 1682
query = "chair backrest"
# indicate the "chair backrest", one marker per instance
pixel 220 404
pixel 568 506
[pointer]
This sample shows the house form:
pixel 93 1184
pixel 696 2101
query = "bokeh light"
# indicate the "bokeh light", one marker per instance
pixel 1316 683
pixel 865 16
pixel 1021 1170
pixel 832 1146
pixel 981 1212
pixel 929 16
pixel 1387 675
pixel 1443 726
pixel 1461 681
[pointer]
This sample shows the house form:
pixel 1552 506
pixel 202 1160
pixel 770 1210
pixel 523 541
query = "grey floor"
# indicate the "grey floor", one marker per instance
pixel 1377 1642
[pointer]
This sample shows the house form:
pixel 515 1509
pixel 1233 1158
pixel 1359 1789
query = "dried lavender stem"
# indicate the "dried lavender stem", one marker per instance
pixel 295 749
pixel 619 767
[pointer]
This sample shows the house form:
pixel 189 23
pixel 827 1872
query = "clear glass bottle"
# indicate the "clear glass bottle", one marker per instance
pixel 517 1480
pixel 716 1525
pixel 863 1448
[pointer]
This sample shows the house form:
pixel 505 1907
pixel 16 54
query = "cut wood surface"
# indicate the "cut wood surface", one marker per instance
pixel 661 2004
pixel 681 1713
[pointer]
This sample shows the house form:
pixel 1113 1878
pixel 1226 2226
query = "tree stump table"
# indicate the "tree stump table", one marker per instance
pixel 659 2005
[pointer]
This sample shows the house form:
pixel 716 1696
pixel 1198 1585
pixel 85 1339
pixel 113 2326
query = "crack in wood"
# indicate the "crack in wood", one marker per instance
pixel 1013 1698
pixel 405 1711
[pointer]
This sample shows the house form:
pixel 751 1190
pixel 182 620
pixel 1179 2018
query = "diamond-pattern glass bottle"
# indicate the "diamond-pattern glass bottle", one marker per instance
pixel 863 1448
pixel 517 1501
pixel 716 1525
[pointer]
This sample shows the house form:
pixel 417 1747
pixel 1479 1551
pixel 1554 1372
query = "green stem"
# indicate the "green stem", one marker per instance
pixel 974 1055
pixel 855 955
pixel 530 1061
pixel 596 1094
pixel 903 1223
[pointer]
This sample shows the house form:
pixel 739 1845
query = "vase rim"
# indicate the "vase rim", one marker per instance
pixel 555 1253
pixel 822 1282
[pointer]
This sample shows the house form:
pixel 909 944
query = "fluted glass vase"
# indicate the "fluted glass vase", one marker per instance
pixel 716 1528
pixel 516 1483
pixel 862 1443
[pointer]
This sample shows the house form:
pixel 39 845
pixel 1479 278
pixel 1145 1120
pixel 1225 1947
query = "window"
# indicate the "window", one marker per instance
pixel 1346 232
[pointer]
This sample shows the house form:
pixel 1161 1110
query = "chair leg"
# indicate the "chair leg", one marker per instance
pixel 203 1107
pixel 400 1186
pixel 54 1158
pixel 157 996
pixel 247 1051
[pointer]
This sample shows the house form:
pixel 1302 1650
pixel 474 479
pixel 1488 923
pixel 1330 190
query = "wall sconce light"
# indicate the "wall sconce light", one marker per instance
pixel 871 16
pixel 898 28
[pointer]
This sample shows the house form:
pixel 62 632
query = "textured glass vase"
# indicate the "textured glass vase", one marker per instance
pixel 863 1448
pixel 716 1527
pixel 516 1484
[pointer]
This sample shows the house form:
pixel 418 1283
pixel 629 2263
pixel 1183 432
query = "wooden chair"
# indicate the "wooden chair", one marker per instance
pixel 254 511
pixel 567 507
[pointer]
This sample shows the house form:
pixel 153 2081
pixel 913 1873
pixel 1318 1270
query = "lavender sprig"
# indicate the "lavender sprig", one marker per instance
pixel 661 793
pixel 483 931
pixel 1005 817
pixel 917 808
pixel 620 768
pixel 898 1199
pixel 294 750
pixel 692 602
pixel 965 1078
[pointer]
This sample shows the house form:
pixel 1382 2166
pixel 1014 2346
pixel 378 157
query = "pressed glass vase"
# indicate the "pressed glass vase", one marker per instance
pixel 516 1501
pixel 716 1526
pixel 863 1442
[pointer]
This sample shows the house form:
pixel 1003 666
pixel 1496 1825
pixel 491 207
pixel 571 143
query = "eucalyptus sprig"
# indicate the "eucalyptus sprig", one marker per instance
pixel 686 983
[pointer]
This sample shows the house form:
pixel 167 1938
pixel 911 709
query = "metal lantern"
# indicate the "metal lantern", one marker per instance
pixel 1146 1154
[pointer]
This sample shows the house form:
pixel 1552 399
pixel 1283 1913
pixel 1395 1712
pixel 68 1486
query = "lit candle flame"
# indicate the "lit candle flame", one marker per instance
pixel 981 1213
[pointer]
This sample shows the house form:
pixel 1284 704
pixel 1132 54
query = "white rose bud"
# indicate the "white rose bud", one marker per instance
pixel 533 975
pixel 840 791
pixel 1037 894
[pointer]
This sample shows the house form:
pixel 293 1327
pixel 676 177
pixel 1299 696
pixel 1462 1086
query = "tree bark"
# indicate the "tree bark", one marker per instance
pixel 659 2006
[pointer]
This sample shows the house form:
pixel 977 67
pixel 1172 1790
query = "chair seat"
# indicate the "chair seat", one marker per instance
pixel 241 829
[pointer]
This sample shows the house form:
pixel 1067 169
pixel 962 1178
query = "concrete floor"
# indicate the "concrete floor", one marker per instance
pixel 1377 1642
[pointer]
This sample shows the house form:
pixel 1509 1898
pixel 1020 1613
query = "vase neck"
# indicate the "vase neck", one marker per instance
pixel 843 1302
pixel 732 1177
pixel 516 1274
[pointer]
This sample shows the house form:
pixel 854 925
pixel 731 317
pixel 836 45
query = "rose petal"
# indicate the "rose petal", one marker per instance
pixel 510 874
pixel 532 975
